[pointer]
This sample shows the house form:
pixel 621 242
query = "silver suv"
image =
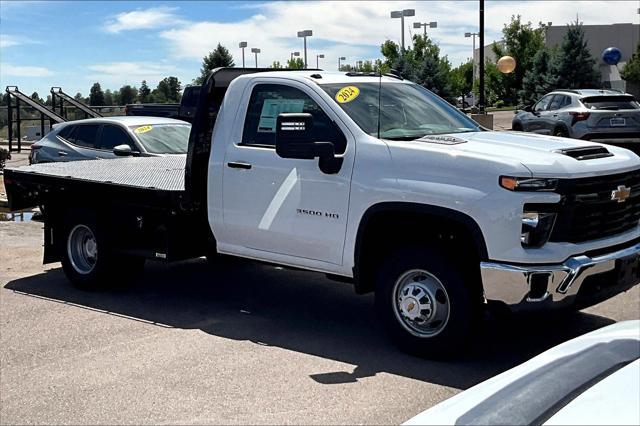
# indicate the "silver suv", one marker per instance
pixel 604 116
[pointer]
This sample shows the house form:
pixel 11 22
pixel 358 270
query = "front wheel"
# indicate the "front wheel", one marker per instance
pixel 561 132
pixel 424 302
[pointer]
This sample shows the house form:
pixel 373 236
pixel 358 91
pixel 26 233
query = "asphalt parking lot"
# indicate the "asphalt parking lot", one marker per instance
pixel 237 343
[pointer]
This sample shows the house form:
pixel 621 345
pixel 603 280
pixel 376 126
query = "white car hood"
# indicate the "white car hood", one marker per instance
pixel 539 154
pixel 613 400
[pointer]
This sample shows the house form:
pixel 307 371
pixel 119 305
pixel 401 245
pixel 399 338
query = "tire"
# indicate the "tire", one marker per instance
pixel 412 278
pixel 517 127
pixel 87 258
pixel 561 132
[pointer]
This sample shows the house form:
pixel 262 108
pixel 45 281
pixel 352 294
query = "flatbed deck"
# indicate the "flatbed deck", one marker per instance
pixel 159 173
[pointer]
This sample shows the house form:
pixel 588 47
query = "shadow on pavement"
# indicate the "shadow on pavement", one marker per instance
pixel 303 312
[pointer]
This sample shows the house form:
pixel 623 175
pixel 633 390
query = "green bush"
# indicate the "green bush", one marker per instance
pixel 4 156
pixel 499 103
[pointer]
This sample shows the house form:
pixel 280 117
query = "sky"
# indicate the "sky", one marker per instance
pixel 73 44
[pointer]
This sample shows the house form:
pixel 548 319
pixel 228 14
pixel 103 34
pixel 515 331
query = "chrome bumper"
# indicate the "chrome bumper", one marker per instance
pixel 524 287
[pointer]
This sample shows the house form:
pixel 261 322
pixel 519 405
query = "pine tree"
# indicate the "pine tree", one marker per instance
pixel 96 95
pixel 538 80
pixel 36 97
pixel 573 66
pixel 143 92
pixel 631 71
pixel 219 57
pixel 295 64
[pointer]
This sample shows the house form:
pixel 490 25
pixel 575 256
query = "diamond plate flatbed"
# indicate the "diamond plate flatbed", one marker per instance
pixel 159 173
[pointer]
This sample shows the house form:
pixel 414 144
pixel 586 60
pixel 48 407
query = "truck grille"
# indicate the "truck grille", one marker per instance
pixel 588 212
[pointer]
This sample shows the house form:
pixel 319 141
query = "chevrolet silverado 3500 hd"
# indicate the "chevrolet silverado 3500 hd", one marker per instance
pixel 369 179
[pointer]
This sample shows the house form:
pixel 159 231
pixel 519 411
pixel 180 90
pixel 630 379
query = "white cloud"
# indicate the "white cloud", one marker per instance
pixel 356 29
pixel 9 70
pixel 154 17
pixel 9 40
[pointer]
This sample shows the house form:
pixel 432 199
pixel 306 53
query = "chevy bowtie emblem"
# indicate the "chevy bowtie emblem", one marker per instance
pixel 621 194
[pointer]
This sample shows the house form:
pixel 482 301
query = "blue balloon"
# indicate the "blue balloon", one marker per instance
pixel 611 55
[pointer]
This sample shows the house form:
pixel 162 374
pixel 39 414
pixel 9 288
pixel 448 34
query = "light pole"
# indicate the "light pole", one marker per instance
pixel 256 51
pixel 341 58
pixel 294 54
pixel 473 57
pixel 304 34
pixel 318 61
pixel 242 45
pixel 401 14
pixel 433 24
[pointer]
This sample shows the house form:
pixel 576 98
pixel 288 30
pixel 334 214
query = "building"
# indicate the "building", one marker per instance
pixel 599 37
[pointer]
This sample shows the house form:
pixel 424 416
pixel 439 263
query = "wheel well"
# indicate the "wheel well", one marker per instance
pixel 517 126
pixel 561 126
pixel 385 227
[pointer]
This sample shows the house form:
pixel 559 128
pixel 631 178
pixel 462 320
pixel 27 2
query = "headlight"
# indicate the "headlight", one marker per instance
pixel 536 228
pixel 528 184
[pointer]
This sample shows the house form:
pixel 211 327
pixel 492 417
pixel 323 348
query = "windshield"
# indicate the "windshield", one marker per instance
pixel 408 111
pixel 163 138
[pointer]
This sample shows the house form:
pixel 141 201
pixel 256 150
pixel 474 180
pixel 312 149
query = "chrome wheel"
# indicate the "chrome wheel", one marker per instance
pixel 82 249
pixel 421 303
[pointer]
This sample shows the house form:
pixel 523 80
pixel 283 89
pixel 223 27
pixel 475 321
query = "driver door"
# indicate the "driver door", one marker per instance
pixel 274 206
pixel 536 120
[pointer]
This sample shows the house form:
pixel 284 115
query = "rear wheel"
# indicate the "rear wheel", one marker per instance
pixel 561 132
pixel 88 259
pixel 424 302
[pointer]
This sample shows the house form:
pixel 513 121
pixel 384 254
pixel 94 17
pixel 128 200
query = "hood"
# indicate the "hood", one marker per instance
pixel 542 155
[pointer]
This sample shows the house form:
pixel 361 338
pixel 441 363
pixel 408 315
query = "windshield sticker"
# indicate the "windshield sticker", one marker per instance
pixel 143 129
pixel 347 94
pixel 272 107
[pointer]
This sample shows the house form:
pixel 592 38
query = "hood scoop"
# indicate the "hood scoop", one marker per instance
pixel 586 153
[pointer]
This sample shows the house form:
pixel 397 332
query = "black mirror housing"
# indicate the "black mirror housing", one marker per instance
pixel 528 108
pixel 293 136
pixel 123 150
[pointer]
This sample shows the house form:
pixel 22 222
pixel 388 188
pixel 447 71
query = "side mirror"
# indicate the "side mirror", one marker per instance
pixel 123 150
pixel 294 139
pixel 528 108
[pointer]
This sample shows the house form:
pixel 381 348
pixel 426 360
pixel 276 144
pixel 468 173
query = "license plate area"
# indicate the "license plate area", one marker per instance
pixel 618 122
pixel 628 270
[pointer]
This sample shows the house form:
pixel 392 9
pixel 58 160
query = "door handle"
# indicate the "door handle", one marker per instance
pixel 62 153
pixel 238 165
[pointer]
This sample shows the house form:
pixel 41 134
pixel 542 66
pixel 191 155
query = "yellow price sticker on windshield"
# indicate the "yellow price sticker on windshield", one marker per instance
pixel 347 94
pixel 143 129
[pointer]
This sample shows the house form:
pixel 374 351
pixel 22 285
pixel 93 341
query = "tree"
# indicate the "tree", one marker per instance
pixel 421 63
pixel 276 65
pixel 538 80
pixel 219 57
pixel 295 64
pixel 522 42
pixel 573 67
pixel 168 90
pixel 96 95
pixel 631 71
pixel 36 97
pixel 127 95
pixel 108 97
pixel 79 97
pixel 143 92
pixel 461 79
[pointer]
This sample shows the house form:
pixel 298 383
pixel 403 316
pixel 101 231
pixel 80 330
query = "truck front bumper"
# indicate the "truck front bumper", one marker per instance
pixel 581 280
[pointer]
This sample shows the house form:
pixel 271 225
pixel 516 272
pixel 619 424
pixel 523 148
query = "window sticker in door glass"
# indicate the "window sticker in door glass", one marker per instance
pixel 347 94
pixel 143 129
pixel 272 107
